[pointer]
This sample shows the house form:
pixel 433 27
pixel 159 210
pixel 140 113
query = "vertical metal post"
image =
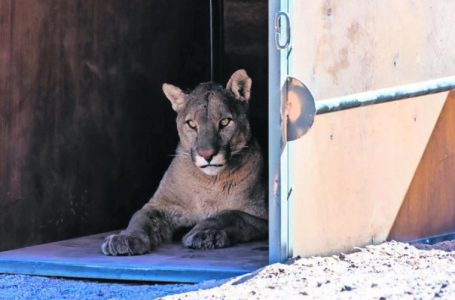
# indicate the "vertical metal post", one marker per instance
pixel 274 118
pixel 278 151
pixel 290 181
pixel 284 157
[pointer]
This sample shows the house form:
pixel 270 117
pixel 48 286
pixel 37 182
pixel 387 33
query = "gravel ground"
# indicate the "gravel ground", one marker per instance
pixel 388 271
pixel 36 287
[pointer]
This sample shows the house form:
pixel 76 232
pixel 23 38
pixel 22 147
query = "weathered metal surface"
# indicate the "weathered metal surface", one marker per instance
pixel 352 174
pixel 82 258
pixel 345 47
pixel 297 109
pixel 82 113
pixel 428 208
pixel 353 168
pixel 245 46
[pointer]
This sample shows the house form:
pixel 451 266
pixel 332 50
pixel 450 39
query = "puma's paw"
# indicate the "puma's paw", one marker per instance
pixel 206 239
pixel 124 244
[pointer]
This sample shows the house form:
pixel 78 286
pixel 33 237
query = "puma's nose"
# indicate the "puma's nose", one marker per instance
pixel 207 154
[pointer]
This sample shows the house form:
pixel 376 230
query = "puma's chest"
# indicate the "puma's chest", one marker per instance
pixel 209 199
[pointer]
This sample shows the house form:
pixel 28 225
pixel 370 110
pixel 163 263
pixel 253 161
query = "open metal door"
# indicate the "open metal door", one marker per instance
pixel 362 176
pixel 279 237
pixel 291 115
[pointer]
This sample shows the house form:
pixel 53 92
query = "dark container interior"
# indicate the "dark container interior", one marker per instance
pixel 85 131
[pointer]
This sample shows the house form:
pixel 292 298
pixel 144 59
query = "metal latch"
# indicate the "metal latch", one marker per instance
pixel 278 24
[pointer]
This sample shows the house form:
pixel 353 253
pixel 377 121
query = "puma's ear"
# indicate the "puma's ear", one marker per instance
pixel 175 95
pixel 240 85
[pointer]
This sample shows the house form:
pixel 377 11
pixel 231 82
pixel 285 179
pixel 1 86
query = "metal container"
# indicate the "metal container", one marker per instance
pixel 360 115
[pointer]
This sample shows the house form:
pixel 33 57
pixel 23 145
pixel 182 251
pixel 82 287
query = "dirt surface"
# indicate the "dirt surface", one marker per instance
pixel 388 271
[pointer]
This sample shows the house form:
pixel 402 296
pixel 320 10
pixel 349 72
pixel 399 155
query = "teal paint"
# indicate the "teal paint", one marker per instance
pixel 386 95
pixel 278 155
pixel 82 258
pixel 275 140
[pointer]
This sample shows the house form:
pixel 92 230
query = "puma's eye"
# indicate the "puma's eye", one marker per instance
pixel 191 123
pixel 225 122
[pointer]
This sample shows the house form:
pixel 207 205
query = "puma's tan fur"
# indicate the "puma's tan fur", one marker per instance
pixel 214 186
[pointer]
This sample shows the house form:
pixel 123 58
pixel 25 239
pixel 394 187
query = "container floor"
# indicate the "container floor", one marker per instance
pixel 82 258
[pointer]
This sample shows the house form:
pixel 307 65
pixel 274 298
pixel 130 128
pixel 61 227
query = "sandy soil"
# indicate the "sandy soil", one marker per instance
pixel 388 271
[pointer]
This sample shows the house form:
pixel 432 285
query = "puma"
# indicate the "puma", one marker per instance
pixel 214 186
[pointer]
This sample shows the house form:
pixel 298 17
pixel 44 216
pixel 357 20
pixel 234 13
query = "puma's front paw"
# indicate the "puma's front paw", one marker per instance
pixel 206 239
pixel 124 244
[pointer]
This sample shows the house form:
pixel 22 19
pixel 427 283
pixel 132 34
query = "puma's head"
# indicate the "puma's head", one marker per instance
pixel 212 121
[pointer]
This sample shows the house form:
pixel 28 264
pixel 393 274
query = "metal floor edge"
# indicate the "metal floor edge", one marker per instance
pixel 82 258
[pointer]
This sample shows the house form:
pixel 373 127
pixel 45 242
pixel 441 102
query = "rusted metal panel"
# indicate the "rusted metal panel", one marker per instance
pixel 81 109
pixel 428 208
